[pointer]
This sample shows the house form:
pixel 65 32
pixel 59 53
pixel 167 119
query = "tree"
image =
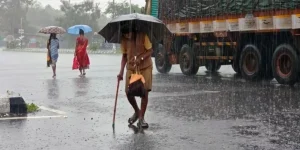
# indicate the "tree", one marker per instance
pixel 122 8
pixel 39 16
pixel 13 15
pixel 87 12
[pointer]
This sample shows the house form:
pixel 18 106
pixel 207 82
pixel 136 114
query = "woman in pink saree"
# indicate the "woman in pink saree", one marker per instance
pixel 81 53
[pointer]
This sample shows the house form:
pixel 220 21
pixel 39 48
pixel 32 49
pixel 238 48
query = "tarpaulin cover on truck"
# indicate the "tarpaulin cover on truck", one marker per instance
pixel 180 9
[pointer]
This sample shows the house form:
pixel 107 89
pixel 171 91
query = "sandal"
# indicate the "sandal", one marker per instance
pixel 142 123
pixel 133 118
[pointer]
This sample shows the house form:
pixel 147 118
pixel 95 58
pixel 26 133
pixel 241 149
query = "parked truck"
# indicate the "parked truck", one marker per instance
pixel 259 38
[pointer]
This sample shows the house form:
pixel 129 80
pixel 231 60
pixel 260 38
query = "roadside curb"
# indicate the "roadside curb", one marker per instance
pixel 63 51
pixel 12 105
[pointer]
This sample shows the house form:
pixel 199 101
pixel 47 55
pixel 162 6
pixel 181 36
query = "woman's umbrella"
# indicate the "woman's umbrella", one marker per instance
pixel 75 29
pixel 154 27
pixel 52 29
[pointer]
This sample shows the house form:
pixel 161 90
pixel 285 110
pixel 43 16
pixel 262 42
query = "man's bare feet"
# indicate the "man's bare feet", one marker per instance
pixel 133 118
pixel 143 124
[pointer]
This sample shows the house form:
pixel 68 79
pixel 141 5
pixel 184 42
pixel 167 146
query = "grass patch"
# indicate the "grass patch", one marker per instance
pixel 32 108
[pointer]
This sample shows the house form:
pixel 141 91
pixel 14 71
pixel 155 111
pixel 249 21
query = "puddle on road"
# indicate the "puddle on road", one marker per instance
pixel 158 94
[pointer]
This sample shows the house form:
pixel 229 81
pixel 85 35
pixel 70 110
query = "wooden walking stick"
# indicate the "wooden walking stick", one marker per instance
pixel 113 125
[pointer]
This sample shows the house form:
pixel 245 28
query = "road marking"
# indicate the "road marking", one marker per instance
pixel 52 110
pixel 211 91
pixel 61 114
pixel 33 117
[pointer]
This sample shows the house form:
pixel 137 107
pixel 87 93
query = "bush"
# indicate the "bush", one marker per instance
pixel 94 47
pixel 12 45
pixel 32 108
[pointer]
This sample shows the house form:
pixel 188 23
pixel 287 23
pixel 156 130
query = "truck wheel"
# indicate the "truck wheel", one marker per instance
pixel 187 61
pixel 235 64
pixel 161 60
pixel 250 63
pixel 285 64
pixel 218 67
pixel 212 66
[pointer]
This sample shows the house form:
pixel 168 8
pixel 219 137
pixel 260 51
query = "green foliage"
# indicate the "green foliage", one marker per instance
pixel 32 108
pixel 35 16
pixel 39 16
pixel 11 13
pixel 121 8
pixel 12 44
pixel 87 12
pixel 94 46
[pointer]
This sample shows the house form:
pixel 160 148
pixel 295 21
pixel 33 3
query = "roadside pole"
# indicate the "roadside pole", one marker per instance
pixel 130 5
pixel 21 32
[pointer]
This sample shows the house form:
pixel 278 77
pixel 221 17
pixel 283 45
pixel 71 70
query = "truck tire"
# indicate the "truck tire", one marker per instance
pixel 285 64
pixel 218 67
pixel 212 66
pixel 162 62
pixel 251 62
pixel 187 61
pixel 235 64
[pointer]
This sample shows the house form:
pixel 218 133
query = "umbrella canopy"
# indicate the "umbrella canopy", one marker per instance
pixel 52 29
pixel 154 27
pixel 75 29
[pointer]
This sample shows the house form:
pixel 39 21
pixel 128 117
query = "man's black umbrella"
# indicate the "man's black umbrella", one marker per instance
pixel 152 26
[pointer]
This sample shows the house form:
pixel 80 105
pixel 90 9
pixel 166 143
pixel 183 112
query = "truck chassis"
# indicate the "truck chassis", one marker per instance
pixel 266 50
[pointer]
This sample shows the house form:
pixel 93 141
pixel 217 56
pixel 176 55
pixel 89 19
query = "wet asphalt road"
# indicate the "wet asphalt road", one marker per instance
pixel 206 112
